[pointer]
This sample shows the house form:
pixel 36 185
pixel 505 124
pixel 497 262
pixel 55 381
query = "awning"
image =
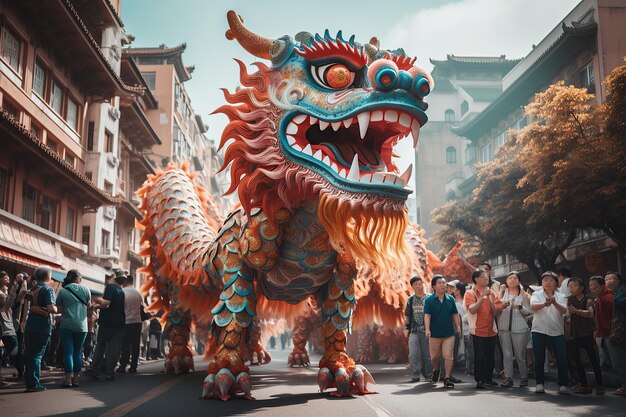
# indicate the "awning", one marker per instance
pixel 22 259
pixel 90 283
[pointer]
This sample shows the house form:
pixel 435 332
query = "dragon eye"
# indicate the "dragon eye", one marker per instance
pixel 333 76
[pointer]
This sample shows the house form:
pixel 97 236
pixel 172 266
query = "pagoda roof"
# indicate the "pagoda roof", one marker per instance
pixel 172 55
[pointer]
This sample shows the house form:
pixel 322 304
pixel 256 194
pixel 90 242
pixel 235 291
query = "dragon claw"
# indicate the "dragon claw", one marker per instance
pixel 342 382
pixel 354 383
pixel 298 358
pixel 324 379
pixel 224 380
pixel 224 385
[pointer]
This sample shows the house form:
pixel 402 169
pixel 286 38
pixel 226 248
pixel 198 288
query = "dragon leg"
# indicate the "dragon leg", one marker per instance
pixel 256 351
pixel 301 332
pixel 179 358
pixel 338 301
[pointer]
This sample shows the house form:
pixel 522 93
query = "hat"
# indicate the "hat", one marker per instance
pixel 453 283
pixel 108 275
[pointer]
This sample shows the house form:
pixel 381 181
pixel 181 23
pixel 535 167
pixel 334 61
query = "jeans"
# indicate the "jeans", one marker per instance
pixel 72 343
pixel 484 357
pixel 109 341
pixel 10 343
pixel 618 356
pixel 540 342
pixel 514 346
pixel 35 345
pixel 419 354
pixel 130 345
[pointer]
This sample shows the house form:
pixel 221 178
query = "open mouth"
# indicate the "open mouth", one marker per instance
pixel 357 149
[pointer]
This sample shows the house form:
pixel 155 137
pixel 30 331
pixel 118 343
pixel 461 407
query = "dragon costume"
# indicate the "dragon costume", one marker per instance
pixel 309 146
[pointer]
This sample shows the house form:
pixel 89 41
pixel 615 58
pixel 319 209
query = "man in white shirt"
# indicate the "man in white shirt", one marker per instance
pixel 563 275
pixel 131 340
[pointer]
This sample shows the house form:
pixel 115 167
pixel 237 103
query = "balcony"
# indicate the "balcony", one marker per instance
pixel 108 253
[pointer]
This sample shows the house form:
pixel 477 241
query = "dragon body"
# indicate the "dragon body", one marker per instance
pixel 323 218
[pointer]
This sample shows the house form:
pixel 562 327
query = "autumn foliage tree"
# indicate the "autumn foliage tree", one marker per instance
pixel 563 173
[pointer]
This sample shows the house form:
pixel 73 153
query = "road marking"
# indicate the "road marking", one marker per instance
pixel 127 407
pixel 380 411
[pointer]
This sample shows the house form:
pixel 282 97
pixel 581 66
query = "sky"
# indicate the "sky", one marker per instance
pixel 426 29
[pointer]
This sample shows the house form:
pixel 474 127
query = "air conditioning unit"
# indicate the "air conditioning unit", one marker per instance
pixel 114 113
pixel 112 160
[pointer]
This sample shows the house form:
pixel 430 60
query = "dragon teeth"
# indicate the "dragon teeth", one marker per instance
pixel 390 179
pixel 348 122
pixel 364 122
pixel 355 172
pixel 405 120
pixel 318 154
pixel 406 176
pixel 377 116
pixel 378 177
pixel 415 132
pixel 299 118
pixel 323 125
pixel 307 149
pixel 292 129
pixel 335 125
pixel 291 140
pixel 391 116
pixel 312 120
pixel 326 160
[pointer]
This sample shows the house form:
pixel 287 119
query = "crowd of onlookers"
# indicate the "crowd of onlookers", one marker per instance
pixel 491 328
pixel 72 329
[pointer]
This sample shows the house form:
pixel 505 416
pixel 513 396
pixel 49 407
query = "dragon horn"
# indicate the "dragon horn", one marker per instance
pixel 251 42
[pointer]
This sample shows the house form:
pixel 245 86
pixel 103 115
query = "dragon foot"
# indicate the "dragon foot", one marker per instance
pixel 298 357
pixel 178 364
pixel 259 356
pixel 224 385
pixel 346 384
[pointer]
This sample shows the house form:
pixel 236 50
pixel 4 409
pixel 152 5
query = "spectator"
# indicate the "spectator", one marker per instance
pixel 20 313
pixel 563 276
pixel 441 323
pixel 419 353
pixel 581 312
pixel 482 306
pixel 155 335
pixel 92 319
pixel 513 331
pixel 549 306
pixel 603 313
pixel 133 305
pixel 8 295
pixel 38 328
pixel 73 301
pixel 111 327
pixel 468 346
pixel 617 339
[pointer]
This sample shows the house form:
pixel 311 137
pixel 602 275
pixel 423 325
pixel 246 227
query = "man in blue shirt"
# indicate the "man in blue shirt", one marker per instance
pixel 441 321
pixel 38 328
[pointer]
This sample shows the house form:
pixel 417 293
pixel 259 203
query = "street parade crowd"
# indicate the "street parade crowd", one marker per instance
pixel 72 328
pixel 501 325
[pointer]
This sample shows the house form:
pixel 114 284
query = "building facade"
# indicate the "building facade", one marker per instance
pixel 581 50
pixel 464 86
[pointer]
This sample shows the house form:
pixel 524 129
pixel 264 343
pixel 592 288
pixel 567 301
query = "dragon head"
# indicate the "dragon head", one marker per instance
pixel 320 124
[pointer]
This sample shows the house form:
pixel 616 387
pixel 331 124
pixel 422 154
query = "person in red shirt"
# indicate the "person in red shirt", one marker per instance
pixel 482 306
pixel 603 308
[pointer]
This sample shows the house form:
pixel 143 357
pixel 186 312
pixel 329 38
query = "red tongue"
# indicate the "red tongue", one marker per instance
pixel 348 150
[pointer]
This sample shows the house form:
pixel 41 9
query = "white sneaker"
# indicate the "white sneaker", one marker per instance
pixel 539 389
pixel 563 390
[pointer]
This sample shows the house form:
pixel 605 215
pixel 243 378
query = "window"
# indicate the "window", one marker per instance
pixel 56 97
pixel 69 158
pixel 485 153
pixel 451 155
pixel 4 188
pixel 105 242
pixel 450 117
pixel 587 78
pixel 89 175
pixel 11 48
pixel 150 78
pixel 177 97
pixel 70 224
pixel 72 114
pixel 35 130
pixel 10 109
pixel 39 79
pixel 48 214
pixel 108 138
pixel 53 146
pixel 85 235
pixel 29 201
pixel 464 108
pixel 90 132
pixel 501 138
pixel 469 154
pixel 108 187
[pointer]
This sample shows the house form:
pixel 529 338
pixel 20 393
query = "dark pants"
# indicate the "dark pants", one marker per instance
pixel 130 345
pixel 484 351
pixel 72 343
pixel 88 345
pixel 573 355
pixel 19 358
pixel 10 343
pixel 107 349
pixel 154 353
pixel 540 342
pixel 35 346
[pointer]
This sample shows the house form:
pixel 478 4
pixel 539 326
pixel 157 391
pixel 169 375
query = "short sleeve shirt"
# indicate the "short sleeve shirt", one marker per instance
pixel 441 313
pixel 36 322
pixel 548 320
pixel 417 310
pixel 113 315
pixel 74 315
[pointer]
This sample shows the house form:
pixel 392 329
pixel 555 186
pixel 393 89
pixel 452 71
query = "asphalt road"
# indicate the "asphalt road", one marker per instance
pixel 283 391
